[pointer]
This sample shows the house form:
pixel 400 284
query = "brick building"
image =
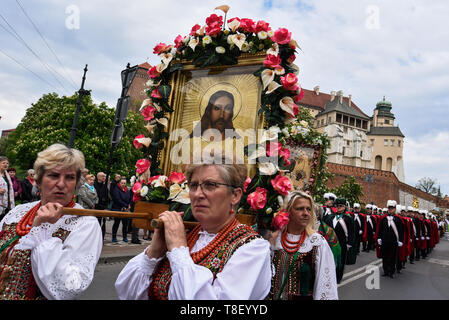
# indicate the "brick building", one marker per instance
pixel 384 186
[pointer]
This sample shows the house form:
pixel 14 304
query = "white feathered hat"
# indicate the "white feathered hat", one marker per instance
pixel 391 203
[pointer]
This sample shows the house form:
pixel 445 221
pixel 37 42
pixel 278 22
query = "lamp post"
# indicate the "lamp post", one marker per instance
pixel 81 93
pixel 121 112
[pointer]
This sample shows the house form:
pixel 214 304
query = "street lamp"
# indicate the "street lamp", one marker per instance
pixel 81 93
pixel 121 111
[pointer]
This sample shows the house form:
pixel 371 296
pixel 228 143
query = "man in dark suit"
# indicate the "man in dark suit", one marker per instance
pixel 103 198
pixel 390 236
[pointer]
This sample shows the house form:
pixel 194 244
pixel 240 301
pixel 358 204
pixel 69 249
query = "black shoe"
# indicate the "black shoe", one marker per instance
pixel 136 241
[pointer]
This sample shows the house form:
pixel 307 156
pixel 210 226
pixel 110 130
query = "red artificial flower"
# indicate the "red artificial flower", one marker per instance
pixel 290 82
pixel 262 26
pixel 291 59
pixel 156 94
pixel 247 25
pixel 258 198
pixel 272 61
pixel 153 73
pixel 213 29
pixel 282 36
pixel 179 41
pixel 136 143
pixel 280 220
pixel 136 187
pixel 142 165
pixel 195 28
pixel 214 19
pixel 148 112
pixel 177 177
pixel 159 48
pixel 281 184
pixel 273 149
pixel 136 197
pixel 285 153
pixel 153 178
pixel 246 184
pixel 299 96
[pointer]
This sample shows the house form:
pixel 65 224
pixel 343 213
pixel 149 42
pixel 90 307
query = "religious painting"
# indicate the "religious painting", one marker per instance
pixel 215 112
pixel 304 166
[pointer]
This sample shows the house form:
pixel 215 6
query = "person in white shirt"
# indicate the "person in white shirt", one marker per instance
pixel 219 259
pixel 303 261
pixel 45 254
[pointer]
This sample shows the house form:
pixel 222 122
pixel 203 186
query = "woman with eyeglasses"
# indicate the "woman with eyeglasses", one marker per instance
pixel 219 259
pixel 303 261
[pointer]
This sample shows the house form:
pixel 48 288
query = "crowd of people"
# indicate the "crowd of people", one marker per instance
pixel 47 254
pixel 398 234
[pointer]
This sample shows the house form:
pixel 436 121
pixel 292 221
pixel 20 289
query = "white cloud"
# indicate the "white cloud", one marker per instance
pixel 427 156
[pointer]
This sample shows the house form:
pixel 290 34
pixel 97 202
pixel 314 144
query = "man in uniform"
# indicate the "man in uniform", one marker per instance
pixel 329 206
pixel 343 226
pixel 370 230
pixel 390 237
pixel 359 227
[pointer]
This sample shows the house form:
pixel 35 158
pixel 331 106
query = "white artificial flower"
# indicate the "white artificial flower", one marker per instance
pixel 144 191
pixel 166 58
pixel 220 50
pixel 270 134
pixel 268 168
pixel 272 87
pixel 269 210
pixel 267 77
pixel 238 39
pixel 262 35
pixel 245 47
pixel 270 33
pixel 281 200
pixel 207 40
pixel 132 180
pixel 193 43
pixel 285 132
pixel 159 182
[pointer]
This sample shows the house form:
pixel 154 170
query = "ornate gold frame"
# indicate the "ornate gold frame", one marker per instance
pixel 250 62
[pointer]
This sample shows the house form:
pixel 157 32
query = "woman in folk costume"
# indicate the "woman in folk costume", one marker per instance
pixel 303 261
pixel 219 259
pixel 6 188
pixel 44 254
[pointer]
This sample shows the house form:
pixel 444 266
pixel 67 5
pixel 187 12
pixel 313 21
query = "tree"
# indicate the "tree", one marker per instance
pixel 428 185
pixel 350 190
pixel 49 121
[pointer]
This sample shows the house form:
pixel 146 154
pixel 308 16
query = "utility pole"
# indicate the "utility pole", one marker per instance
pixel 81 93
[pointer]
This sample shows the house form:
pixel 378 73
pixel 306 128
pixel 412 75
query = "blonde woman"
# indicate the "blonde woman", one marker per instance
pixel 303 262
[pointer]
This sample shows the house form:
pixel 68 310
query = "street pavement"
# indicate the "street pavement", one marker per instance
pixel 120 251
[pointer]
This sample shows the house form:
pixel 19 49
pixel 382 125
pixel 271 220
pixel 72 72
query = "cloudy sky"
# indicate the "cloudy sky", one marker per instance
pixel 396 48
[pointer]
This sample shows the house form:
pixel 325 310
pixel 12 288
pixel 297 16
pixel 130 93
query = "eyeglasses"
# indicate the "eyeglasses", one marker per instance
pixel 206 186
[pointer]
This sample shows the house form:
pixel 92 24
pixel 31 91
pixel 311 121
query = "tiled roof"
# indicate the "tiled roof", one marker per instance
pixel 385 131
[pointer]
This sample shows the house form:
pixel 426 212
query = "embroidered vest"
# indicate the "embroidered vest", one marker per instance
pixel 16 277
pixel 300 280
pixel 215 261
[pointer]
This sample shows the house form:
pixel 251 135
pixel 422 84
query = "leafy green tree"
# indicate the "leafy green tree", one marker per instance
pixel 350 190
pixel 49 121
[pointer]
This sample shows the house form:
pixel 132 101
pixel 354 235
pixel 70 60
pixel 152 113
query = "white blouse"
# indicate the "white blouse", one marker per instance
pixel 62 270
pixel 246 275
pixel 325 287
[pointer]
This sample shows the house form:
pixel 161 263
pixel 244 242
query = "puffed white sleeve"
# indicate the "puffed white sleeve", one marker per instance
pixel 63 270
pixel 134 280
pixel 246 275
pixel 325 277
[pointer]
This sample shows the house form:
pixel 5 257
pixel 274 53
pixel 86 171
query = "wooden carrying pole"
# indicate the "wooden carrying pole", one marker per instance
pixel 146 215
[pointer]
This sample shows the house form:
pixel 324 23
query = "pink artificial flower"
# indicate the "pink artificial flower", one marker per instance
pixel 214 19
pixel 281 184
pixel 246 184
pixel 159 48
pixel 179 41
pixel 273 149
pixel 291 59
pixel 290 82
pixel 142 165
pixel 136 197
pixel 272 61
pixel 156 94
pixel 148 112
pixel 280 220
pixel 285 153
pixel 136 143
pixel 153 72
pixel 282 36
pixel 136 187
pixel 177 177
pixel 194 30
pixel 258 198
pixel 262 26
pixel 153 178
pixel 247 25
pixel 299 96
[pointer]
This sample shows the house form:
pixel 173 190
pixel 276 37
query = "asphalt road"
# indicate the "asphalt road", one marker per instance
pixel 425 280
